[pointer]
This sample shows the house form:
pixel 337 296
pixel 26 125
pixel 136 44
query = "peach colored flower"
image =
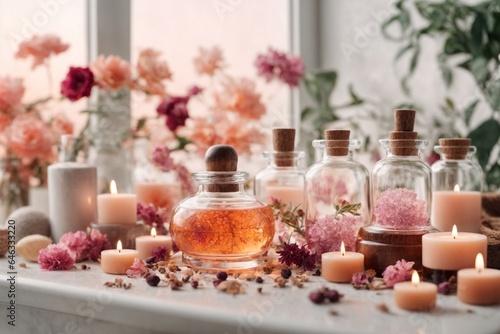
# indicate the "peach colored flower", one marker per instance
pixel 242 138
pixel 29 138
pixel 209 61
pixel 153 71
pixel 202 133
pixel 5 120
pixel 11 93
pixel 41 48
pixel 61 125
pixel 239 96
pixel 111 72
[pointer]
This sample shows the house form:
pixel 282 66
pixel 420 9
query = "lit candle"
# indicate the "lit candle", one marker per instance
pixel 147 243
pixel 479 286
pixel 452 251
pixel 461 208
pixel 340 266
pixel 415 295
pixel 116 208
pixel 117 261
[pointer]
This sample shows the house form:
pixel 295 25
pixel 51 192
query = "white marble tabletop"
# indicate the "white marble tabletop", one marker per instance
pixel 77 301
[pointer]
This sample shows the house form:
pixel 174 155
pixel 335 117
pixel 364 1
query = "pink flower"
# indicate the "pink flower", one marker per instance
pixel 78 83
pixel 98 243
pixel 149 215
pixel 41 48
pixel 209 61
pixel 175 108
pixel 279 65
pixel 138 269
pixel 160 254
pixel 399 208
pixel 359 280
pixel 111 72
pixel 153 71
pixel 326 234
pixel 184 177
pixel 55 257
pixel 29 138
pixel 5 120
pixel 11 93
pixel 61 125
pixel 162 159
pixel 400 272
pixel 239 96
pixel 76 244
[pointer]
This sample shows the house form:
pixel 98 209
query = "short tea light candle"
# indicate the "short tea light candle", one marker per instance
pixel 147 243
pixel 415 295
pixel 460 208
pixel 116 208
pixel 444 253
pixel 479 286
pixel 118 261
pixel 340 266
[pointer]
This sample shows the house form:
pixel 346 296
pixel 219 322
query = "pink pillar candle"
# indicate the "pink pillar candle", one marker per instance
pixel 287 195
pixel 479 286
pixel 461 208
pixel 118 261
pixel 340 266
pixel 452 250
pixel 415 295
pixel 147 243
pixel 116 208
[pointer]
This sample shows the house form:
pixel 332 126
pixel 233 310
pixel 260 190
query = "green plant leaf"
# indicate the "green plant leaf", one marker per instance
pixel 141 122
pixel 469 111
pixel 326 83
pixel 492 93
pixel 493 177
pixel 485 137
pixel 312 88
pixel 414 59
pixel 478 66
pixel 305 113
pixel 477 35
pixel 356 100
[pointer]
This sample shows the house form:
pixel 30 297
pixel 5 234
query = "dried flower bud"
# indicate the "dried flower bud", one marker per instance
pixel 259 280
pixel 286 273
pixel 153 280
pixel 317 297
pixel 194 284
pixel 222 275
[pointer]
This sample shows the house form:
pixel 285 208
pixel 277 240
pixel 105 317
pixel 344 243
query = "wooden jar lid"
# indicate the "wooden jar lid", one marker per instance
pixel 221 158
pixel 403 138
pixel 338 142
pixel 284 145
pixel 455 148
pixel 404 119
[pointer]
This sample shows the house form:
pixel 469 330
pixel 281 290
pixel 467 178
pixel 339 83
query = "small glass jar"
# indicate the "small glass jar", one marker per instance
pixel 14 187
pixel 457 182
pixel 337 197
pixel 222 227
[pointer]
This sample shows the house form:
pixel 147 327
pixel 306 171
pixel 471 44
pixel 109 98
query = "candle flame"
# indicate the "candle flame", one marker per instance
pixel 479 262
pixel 153 232
pixel 342 248
pixel 457 188
pixel 454 232
pixel 415 279
pixel 112 188
pixel 119 246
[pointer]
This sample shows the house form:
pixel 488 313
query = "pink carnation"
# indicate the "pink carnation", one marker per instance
pixel 41 48
pixel 153 71
pixel 279 65
pixel 137 269
pixel 162 158
pixel 111 72
pixel 326 234
pixel 209 61
pixel 30 138
pixel 76 244
pixel 240 96
pixel 400 272
pixel 98 243
pixel 399 208
pixel 11 93
pixel 55 257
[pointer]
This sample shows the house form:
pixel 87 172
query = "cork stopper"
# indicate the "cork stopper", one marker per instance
pixel 403 137
pixel 338 144
pixel 221 158
pixel 404 119
pixel 284 145
pixel 455 148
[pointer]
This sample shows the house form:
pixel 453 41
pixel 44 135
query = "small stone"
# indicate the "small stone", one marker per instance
pixel 29 246
pixel 153 280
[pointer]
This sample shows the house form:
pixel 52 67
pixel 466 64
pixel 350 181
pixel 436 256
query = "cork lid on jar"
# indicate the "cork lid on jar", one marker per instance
pixel 454 148
pixel 402 139
pixel 222 158
pixel 284 145
pixel 338 142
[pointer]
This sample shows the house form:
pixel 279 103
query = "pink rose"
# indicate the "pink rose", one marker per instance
pixel 78 83
pixel 111 72
pixel 239 96
pixel 29 138
pixel 40 48
pixel 209 61
pixel 11 93
pixel 55 257
pixel 153 71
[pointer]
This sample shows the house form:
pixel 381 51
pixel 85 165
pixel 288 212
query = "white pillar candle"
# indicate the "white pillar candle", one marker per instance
pixel 145 244
pixel 118 261
pixel 415 295
pixel 72 197
pixel 452 251
pixel 479 286
pixel 460 208
pixel 340 266
pixel 116 208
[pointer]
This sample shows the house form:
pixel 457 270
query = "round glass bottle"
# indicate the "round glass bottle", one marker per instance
pixel 222 227
pixel 457 182
pixel 337 195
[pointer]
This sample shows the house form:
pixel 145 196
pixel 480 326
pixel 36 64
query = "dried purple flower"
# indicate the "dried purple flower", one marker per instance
pixel 292 254
pixel 279 65
pixel 160 254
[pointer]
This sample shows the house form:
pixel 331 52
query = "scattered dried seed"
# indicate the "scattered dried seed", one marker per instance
pixel 334 312
pixel 176 285
pixel 194 284
pixel 259 289
pixel 127 286
pixel 185 279
pixel 22 265
pixel 383 308
pixel 162 270
pixel 172 267
pixel 317 272
pixel 83 266
pixel 259 280
pixel 231 287
pixel 267 270
pixel 471 311
pixel 286 273
pixel 153 280
pixel 281 282
pixel 221 275
pixel 109 284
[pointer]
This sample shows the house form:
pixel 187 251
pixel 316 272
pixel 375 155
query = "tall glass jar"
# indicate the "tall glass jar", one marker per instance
pixel 14 187
pixel 222 227
pixel 457 182
pixel 337 195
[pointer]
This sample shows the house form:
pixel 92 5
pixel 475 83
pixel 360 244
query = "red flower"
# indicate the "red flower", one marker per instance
pixel 78 83
pixel 292 254
pixel 279 65
pixel 175 108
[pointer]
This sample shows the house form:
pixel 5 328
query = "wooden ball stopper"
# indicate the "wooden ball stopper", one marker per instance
pixel 221 158
pixel 284 145
pixel 338 144
pixel 404 119
pixel 455 148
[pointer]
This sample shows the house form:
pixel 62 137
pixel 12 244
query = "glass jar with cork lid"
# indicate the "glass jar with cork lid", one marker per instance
pixel 222 227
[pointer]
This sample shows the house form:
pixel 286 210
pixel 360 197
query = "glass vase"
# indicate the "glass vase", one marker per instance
pixel 14 187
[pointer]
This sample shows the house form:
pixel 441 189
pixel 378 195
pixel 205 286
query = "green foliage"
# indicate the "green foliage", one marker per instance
pixel 470 32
